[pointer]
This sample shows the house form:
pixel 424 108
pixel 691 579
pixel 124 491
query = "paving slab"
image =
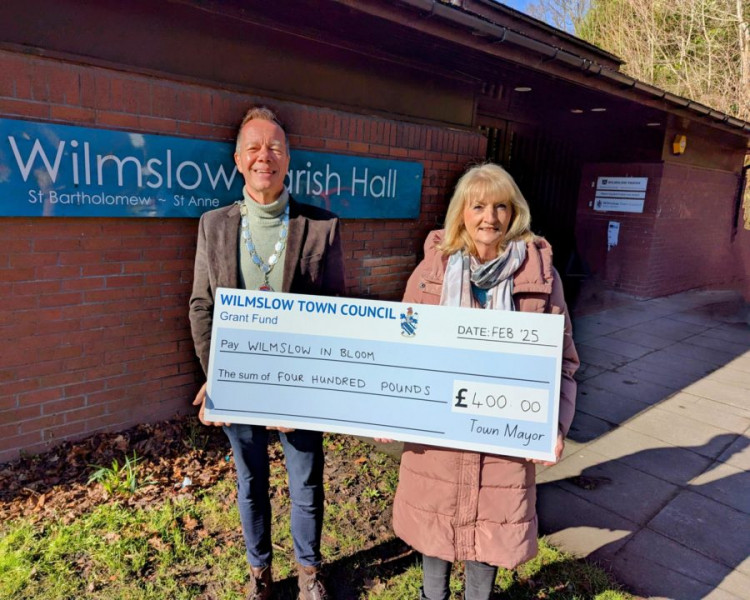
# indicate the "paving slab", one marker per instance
pixel 627 316
pixel 650 546
pixel 720 594
pixel 731 376
pixel 726 484
pixel 708 527
pixel 693 317
pixel 613 408
pixel 698 299
pixel 587 427
pixel 737 454
pixel 631 384
pixel 659 374
pixel 658 483
pixel 669 329
pixel 674 303
pixel 671 463
pixel 657 310
pixel 657 307
pixel 708 341
pixel 592 326
pixel 614 486
pixel 678 430
pixel 579 527
pixel 737 333
pixel 734 581
pixel 741 363
pixel 618 347
pixel 571 447
pixel 712 356
pixel 586 371
pixel 654 581
pixel 719 391
pixel 642 339
pixel 571 465
pixel 724 416
pixel 600 358
pixel 667 360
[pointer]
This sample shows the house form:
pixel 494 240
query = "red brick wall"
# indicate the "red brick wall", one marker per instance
pixel 741 242
pixel 692 244
pixel 682 240
pixel 94 328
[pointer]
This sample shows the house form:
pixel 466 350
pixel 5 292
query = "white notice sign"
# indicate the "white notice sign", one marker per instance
pixel 621 194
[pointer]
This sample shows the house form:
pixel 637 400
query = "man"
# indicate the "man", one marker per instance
pixel 267 241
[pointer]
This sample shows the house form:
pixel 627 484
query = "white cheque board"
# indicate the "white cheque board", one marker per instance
pixel 463 378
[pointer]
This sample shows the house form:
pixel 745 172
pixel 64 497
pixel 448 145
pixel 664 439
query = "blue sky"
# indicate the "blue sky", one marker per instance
pixel 517 4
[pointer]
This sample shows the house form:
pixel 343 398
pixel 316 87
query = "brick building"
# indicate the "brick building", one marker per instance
pixel 94 325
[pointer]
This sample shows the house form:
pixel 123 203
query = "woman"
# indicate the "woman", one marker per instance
pixel 480 508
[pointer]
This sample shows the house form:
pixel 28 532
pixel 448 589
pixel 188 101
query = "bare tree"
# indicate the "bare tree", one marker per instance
pixel 694 48
pixel 742 14
pixel 563 14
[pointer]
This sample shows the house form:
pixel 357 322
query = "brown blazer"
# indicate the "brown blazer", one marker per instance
pixel 459 505
pixel 314 262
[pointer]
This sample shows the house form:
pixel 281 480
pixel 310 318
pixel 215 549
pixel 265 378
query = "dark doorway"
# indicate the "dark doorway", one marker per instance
pixel 548 171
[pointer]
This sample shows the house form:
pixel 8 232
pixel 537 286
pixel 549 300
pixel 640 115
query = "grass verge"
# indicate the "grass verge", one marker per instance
pixel 186 544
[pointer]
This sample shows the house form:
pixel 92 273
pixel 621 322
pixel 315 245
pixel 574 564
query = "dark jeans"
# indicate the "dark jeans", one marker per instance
pixel 480 578
pixel 303 451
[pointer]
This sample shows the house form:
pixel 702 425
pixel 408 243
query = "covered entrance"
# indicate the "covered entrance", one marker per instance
pixel 547 170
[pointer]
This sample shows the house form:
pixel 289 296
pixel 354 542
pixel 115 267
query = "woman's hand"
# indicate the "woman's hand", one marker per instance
pixel 559 447
pixel 200 400
pixel 383 440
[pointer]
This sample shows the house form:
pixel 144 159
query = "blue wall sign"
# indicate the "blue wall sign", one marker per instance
pixel 49 170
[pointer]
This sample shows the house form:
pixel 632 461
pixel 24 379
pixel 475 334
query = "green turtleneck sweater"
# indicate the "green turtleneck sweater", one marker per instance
pixel 264 222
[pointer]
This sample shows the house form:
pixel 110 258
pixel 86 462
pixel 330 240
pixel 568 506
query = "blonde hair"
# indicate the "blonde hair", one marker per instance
pixel 264 114
pixel 486 181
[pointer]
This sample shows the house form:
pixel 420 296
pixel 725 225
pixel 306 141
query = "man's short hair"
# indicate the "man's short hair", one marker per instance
pixel 263 113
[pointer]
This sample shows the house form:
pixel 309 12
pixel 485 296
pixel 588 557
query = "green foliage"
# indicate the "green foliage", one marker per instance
pixel 119 478
pixel 406 585
pixel 189 546
pixel 196 437
pixel 555 574
pixel 551 575
pixel 16 559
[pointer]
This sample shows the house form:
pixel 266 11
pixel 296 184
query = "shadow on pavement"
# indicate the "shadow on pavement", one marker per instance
pixel 655 482
pixel 681 537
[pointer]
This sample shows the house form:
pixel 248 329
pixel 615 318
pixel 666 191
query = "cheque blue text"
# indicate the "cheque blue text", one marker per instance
pixel 511 432
pixel 248 318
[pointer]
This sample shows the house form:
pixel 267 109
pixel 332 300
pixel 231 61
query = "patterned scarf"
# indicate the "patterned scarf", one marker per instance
pixel 495 277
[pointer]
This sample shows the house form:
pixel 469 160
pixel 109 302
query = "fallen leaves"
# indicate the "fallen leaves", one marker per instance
pixel 55 483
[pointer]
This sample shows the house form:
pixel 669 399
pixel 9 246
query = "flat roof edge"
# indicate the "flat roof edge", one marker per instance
pixel 457 14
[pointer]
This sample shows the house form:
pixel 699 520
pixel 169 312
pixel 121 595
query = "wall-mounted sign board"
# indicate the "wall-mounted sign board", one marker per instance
pixel 621 194
pixel 49 170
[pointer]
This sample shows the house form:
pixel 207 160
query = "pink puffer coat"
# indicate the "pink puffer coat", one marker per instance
pixel 458 505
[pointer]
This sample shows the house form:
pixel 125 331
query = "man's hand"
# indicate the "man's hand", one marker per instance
pixel 200 400
pixel 281 429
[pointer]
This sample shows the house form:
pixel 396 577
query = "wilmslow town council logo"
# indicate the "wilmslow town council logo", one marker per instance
pixel 409 321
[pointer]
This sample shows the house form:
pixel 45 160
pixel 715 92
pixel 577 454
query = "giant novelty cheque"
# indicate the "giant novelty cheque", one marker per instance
pixel 480 380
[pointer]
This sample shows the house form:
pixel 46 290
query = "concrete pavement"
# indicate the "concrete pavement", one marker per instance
pixel 655 480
